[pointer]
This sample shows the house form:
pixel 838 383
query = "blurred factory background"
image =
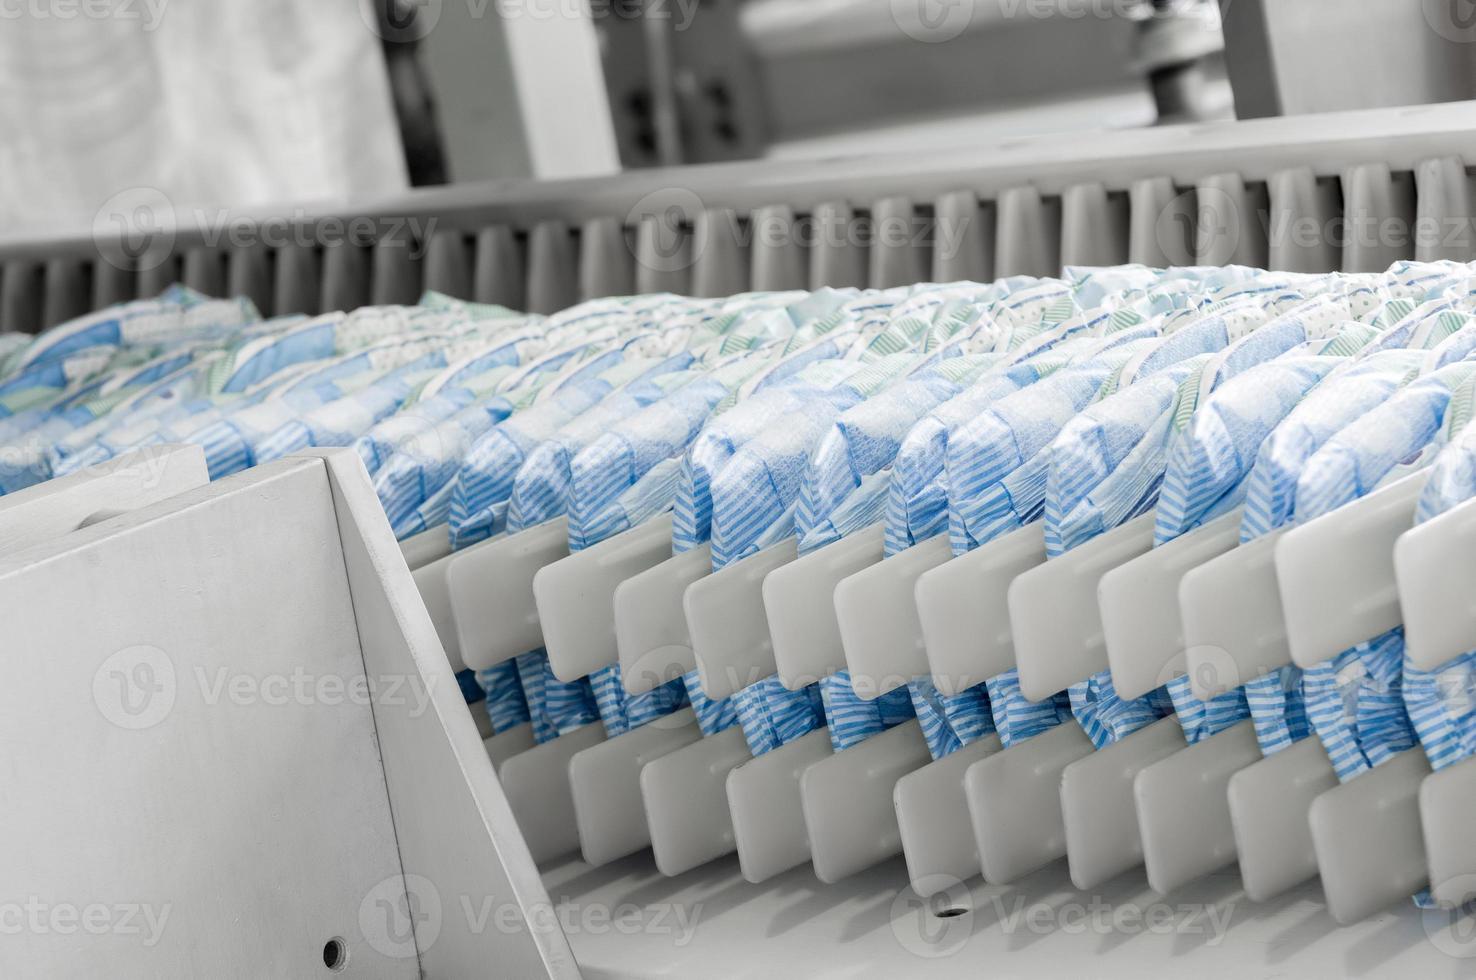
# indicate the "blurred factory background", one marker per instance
pixel 241 103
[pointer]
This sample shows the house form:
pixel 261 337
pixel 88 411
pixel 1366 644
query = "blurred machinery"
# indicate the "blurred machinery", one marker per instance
pixel 642 83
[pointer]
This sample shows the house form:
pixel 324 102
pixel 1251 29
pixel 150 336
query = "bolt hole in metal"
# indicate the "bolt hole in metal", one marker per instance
pixel 335 955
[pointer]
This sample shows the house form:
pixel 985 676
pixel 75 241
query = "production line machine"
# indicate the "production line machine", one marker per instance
pixel 381 839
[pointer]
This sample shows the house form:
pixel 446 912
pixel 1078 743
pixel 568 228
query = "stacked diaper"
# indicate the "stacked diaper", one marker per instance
pixel 963 409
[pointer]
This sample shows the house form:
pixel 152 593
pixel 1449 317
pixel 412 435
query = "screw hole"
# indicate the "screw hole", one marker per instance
pixel 949 913
pixel 335 954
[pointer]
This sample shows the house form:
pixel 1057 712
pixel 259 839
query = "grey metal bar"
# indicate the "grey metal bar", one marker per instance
pixel 499 275
pixel 68 291
pixel 1094 226
pixel 1378 212
pixel 1229 229
pixel 606 263
pixel 898 253
pixel 299 283
pixel 156 276
pixel 778 256
pixel 1028 236
pixel 448 264
pixel 249 274
pixel 963 238
pixel 395 273
pixel 837 253
pixel 1304 210
pixel 111 284
pixel 1161 223
pixel 204 269
pixel 663 255
pixel 20 296
pixel 1443 229
pixel 551 268
pixel 721 266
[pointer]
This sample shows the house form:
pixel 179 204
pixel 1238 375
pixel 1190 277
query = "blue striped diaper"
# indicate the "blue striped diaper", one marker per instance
pixel 1208 468
pixel 1276 700
pixel 1441 703
pixel 1355 701
pixel 484 481
pixel 726 433
pixel 1106 468
pixel 606 477
pixel 995 469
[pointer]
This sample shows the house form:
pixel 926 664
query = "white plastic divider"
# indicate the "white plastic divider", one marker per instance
pixel 1231 609
pixel 933 819
pixel 1336 573
pixel 684 792
pixel 768 813
pixel 1014 801
pixel 504 745
pixel 1015 797
pixel 1435 564
pixel 651 635
pixel 876 609
pixel 1144 636
pixel 1368 839
pixel 1269 802
pixel 1055 615
pixel 537 786
pixel 726 620
pixel 849 814
pixel 1338 589
pixel 1183 816
pixel 800 601
pixel 1098 808
pixel 430 581
pixel 491 590
pixel 1447 800
pixel 1233 633
pixel 686 801
pixel 426 547
pixel 605 782
pixel 1143 632
pixel 963 608
pixel 576 596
